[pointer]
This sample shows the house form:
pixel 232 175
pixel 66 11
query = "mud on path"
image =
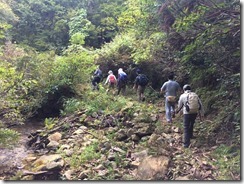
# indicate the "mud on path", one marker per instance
pixel 11 158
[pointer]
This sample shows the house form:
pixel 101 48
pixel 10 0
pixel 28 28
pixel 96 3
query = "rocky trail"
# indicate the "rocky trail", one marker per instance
pixel 124 146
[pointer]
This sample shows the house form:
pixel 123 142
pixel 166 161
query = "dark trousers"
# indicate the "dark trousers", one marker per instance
pixel 95 82
pixel 121 87
pixel 140 92
pixel 189 120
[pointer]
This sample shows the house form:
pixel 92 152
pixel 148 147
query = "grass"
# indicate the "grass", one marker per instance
pixel 8 137
pixel 89 153
pixel 228 162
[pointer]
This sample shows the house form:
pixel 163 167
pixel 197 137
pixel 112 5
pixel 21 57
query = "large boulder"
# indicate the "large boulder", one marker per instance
pixel 48 162
pixel 153 168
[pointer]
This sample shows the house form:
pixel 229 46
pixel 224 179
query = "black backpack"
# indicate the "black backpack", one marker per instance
pixel 143 80
pixel 123 77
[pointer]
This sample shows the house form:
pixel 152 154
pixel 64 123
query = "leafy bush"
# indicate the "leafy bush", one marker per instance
pixel 50 123
pixel 71 105
pixel 95 101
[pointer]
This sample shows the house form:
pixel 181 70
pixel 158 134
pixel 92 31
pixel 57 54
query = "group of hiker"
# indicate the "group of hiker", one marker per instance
pixel 121 82
pixel 189 103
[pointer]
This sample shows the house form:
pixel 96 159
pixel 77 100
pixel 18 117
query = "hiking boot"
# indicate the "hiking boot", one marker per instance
pixel 186 146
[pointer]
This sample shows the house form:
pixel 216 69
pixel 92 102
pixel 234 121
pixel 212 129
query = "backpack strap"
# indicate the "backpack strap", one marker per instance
pixel 187 99
pixel 187 102
pixel 200 105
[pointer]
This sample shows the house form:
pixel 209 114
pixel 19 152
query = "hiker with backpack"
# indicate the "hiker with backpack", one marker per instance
pixel 97 76
pixel 191 105
pixel 122 81
pixel 111 81
pixel 171 89
pixel 140 84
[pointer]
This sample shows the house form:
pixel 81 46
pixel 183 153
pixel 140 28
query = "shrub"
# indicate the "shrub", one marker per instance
pixel 8 137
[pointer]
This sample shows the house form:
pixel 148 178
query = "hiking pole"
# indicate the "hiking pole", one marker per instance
pixel 159 95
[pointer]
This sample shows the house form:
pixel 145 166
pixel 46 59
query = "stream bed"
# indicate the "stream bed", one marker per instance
pixel 11 158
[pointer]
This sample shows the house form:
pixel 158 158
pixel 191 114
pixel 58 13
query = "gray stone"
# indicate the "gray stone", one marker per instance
pixel 153 168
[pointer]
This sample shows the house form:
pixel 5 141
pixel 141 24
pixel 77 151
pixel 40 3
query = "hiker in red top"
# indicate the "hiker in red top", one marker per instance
pixel 111 81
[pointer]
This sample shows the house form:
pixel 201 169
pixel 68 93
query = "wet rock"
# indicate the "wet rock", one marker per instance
pixel 95 124
pixel 129 124
pixel 94 115
pixel 99 167
pixel 27 178
pixel 152 139
pixel 29 159
pixel 121 135
pixel 143 129
pixel 53 144
pixel 64 146
pixel 166 136
pixel 135 114
pixel 48 162
pixel 118 150
pixel 56 164
pixel 140 155
pixel 145 138
pixel 111 156
pixel 79 131
pixel 176 129
pixel 154 117
pixel 134 164
pixel 68 174
pixel 107 145
pixel 83 117
pixel 153 168
pixel 68 152
pixel 102 172
pixel 130 132
pixel 84 174
pixel 55 137
pixel 113 164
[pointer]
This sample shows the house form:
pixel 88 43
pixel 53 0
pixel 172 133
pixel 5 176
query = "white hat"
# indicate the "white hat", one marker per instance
pixel 120 70
pixel 110 72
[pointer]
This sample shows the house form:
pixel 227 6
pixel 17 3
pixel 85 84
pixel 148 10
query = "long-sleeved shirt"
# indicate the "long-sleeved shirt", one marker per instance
pixel 183 100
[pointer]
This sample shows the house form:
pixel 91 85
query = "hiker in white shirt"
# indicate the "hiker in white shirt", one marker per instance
pixel 191 105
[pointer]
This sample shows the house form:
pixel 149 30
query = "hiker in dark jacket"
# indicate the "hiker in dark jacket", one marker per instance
pixel 140 84
pixel 171 88
pixel 189 114
pixel 97 76
pixel 122 81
